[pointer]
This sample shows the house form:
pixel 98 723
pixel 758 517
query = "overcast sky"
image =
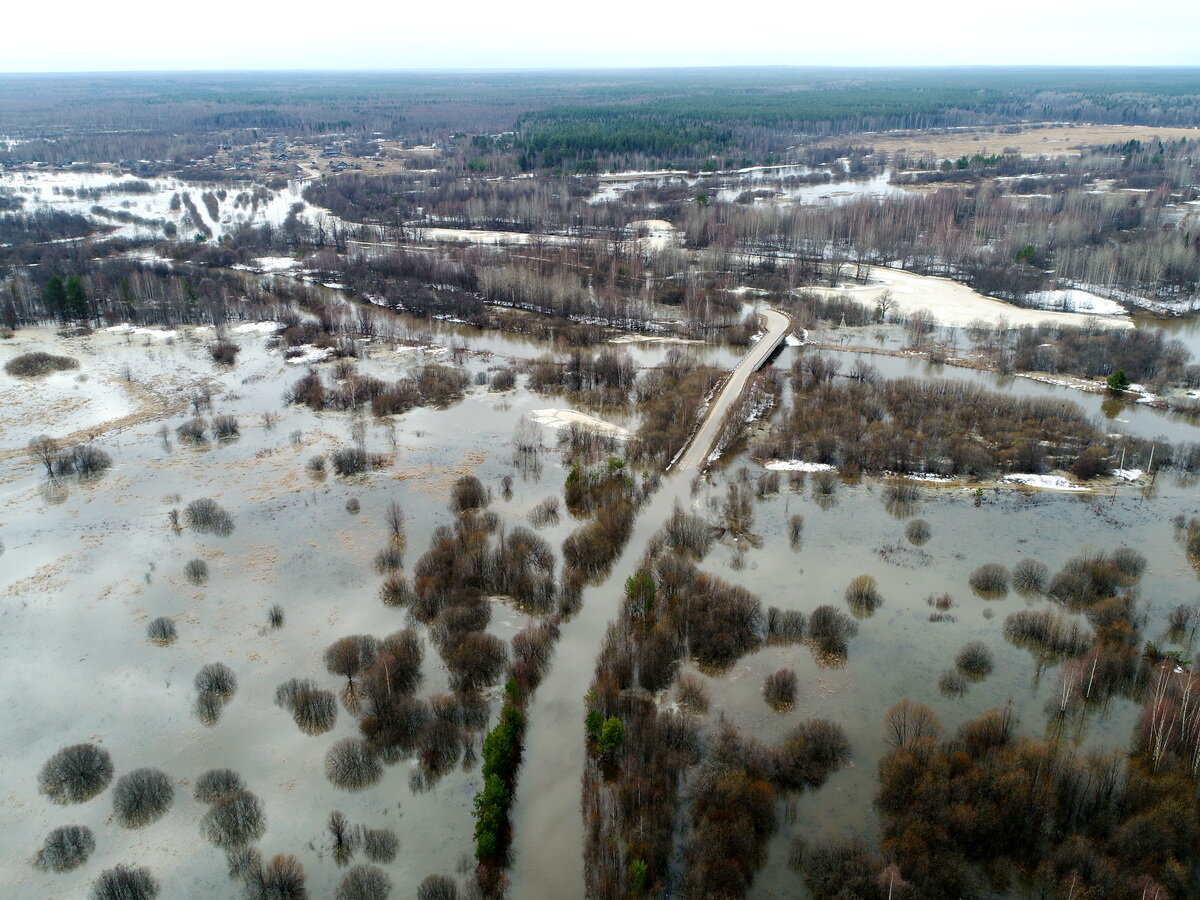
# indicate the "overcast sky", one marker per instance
pixel 74 35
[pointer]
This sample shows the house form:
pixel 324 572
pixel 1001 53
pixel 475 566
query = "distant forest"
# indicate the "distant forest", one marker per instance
pixel 574 122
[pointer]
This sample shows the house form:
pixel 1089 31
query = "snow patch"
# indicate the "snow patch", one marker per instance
pixel 563 418
pixel 257 328
pixel 1045 482
pixel 797 465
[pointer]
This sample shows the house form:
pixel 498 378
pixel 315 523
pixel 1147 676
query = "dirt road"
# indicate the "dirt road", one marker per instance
pixel 695 456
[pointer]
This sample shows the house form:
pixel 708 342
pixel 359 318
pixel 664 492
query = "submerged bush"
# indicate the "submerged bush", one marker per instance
pixel 207 517
pixel 125 883
pixel 37 364
pixel 784 626
pixel 313 709
pixel 217 783
pixel 225 428
pixel 779 689
pixel 75 774
pixel 364 882
pixel 141 797
pixel 354 461
pixel 395 591
pixel 974 661
pixel 468 492
pixel 234 820
pixel 83 460
pixel 66 848
pixel 281 879
pixel 275 616
pixel 380 844
pixel 351 766
pixel 196 571
pixel 1030 577
pixel 809 754
pixel 830 630
pixel 989 580
pixel 918 532
pixel 161 631
pixel 1047 633
pixel 862 596
pixel 216 679
pixel 952 684
pixel 437 887
pixel 691 694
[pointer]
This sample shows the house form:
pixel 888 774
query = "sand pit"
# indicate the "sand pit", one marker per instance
pixel 954 304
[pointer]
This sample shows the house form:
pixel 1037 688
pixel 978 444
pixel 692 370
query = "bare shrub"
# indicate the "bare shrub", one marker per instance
pixel 275 616
pixel 784 626
pixel 196 571
pixel 82 460
pixel 545 513
pixel 217 680
pixel 66 848
pixel 225 428
pixel 343 838
pixel 314 710
pixel 354 461
pixel 244 864
pixel 918 532
pixel 380 844
pixel 1130 562
pixel 224 352
pixel 974 661
pixel 315 466
pixel 207 517
pixel 351 766
pixel 952 684
pixel 214 784
pixel 141 797
pixel 76 773
pixel 989 580
pixel 37 364
pixel 125 883
pixel 908 722
pixel 161 631
pixel 1046 633
pixel 476 661
pixel 235 819
pixel 830 629
pixel 395 591
pixel 795 530
pixel 353 506
pixel 1030 577
pixel 281 879
pixel 809 754
pixel 468 492
pixel 900 496
pixel 193 431
pixel 389 559
pixel 862 596
pixel 437 887
pixel 687 533
pixel 779 689
pixel 504 379
pixel 364 882
pixel 691 694
pixel 350 655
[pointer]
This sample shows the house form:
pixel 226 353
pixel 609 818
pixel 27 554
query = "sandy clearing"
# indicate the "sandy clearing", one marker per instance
pixel 561 418
pixel 954 304
pixel 1034 140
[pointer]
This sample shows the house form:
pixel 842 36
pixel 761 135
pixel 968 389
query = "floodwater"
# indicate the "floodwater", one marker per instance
pixel 85 567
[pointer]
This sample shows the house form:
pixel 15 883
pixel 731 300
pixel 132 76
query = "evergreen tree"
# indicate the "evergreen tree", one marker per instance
pixel 55 297
pixel 76 298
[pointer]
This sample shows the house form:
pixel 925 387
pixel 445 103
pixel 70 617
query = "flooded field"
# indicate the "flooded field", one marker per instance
pixel 88 564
